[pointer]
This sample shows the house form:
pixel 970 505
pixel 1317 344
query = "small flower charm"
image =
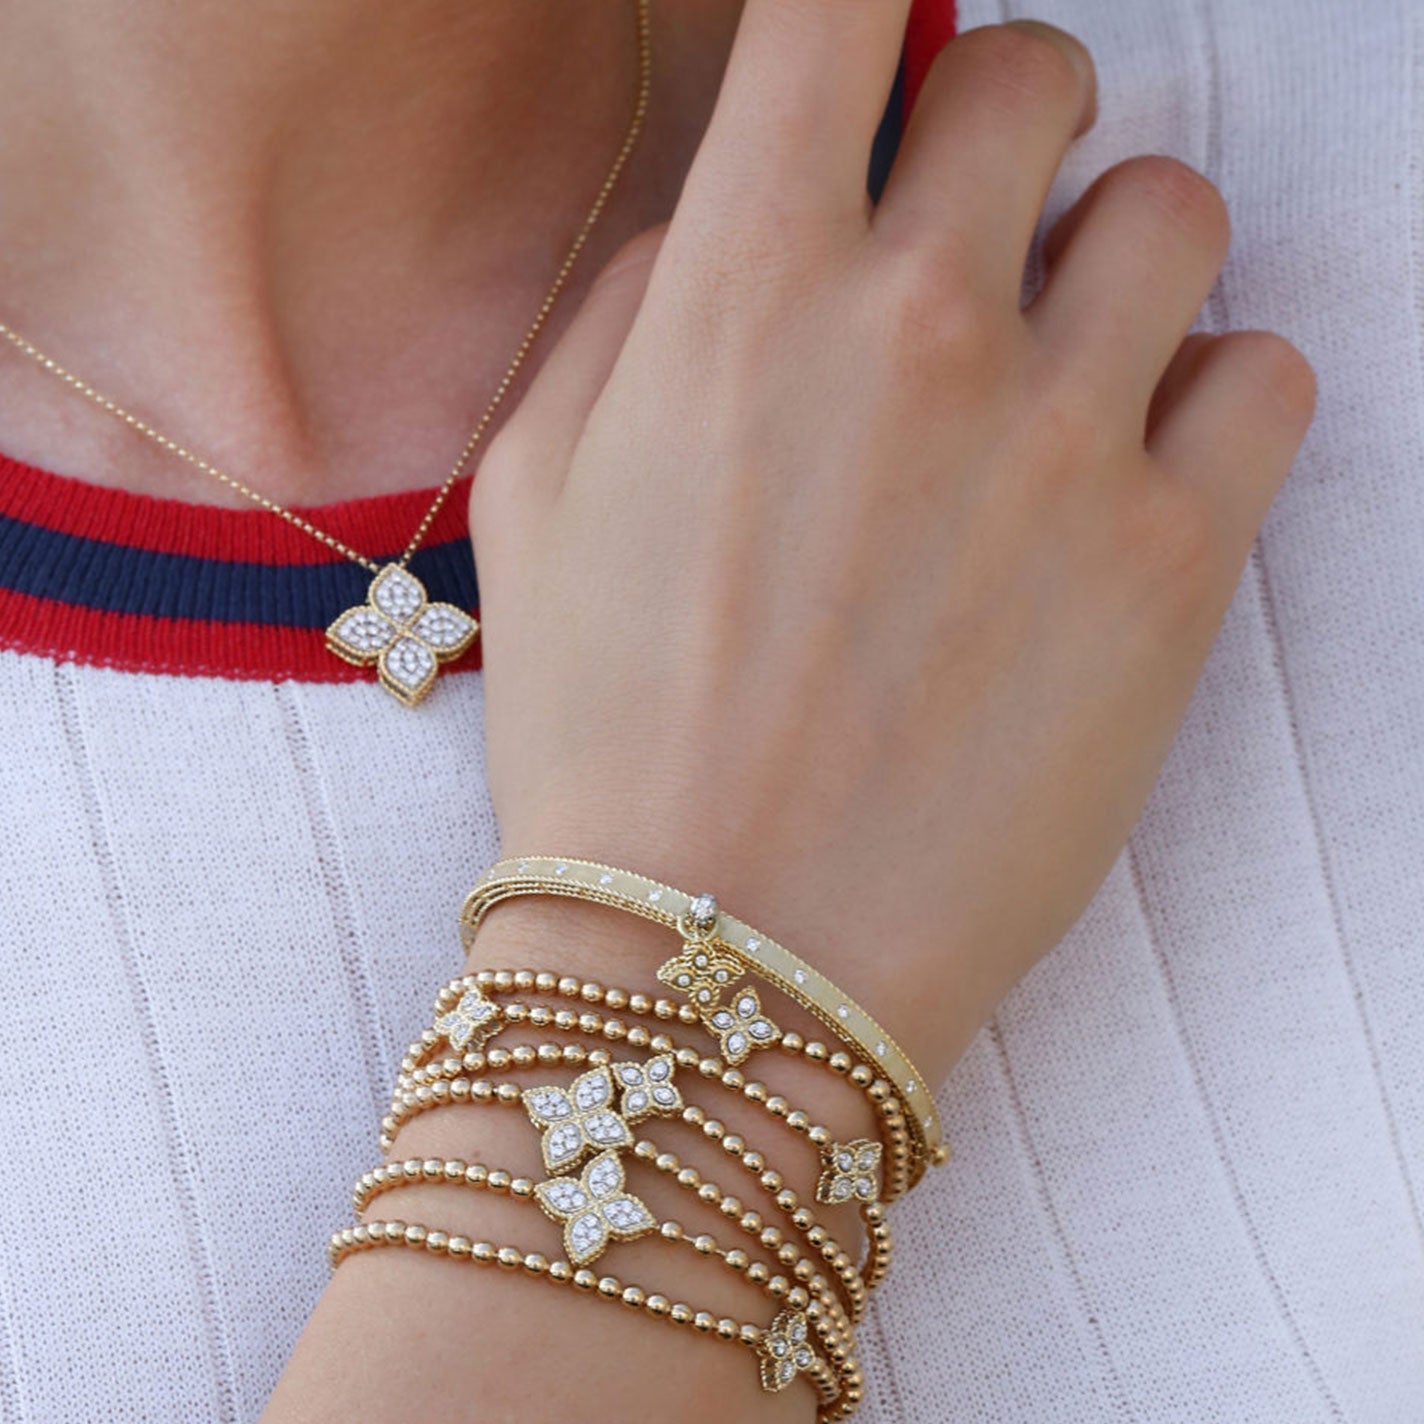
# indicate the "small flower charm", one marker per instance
pixel 473 1020
pixel 595 1209
pixel 784 1351
pixel 741 1026
pixel 577 1120
pixel 404 634
pixel 850 1171
pixel 647 1088
pixel 700 973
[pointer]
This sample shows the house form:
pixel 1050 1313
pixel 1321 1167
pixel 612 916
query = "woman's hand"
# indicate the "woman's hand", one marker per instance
pixel 818 574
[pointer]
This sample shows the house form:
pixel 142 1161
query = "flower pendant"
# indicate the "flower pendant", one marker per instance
pixel 403 633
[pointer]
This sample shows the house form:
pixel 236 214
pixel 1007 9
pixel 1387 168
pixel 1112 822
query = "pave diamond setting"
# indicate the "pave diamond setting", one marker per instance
pixel 595 1208
pixel 405 635
pixel 740 1026
pixel 472 1021
pixel 648 1088
pixel 578 1119
pixel 785 1351
pixel 850 1171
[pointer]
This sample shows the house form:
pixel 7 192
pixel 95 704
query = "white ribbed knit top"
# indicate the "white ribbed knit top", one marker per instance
pixel 1189 1151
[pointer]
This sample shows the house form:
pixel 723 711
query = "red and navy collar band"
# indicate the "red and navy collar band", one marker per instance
pixel 104 576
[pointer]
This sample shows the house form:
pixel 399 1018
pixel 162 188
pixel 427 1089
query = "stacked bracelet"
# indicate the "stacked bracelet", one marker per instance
pixel 629 1074
pixel 735 949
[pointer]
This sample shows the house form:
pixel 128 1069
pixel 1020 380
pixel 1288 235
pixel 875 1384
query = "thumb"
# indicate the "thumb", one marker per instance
pixel 524 468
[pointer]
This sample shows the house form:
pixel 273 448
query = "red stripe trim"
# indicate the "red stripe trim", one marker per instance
pixel 379 525
pixel 131 642
pixel 931 26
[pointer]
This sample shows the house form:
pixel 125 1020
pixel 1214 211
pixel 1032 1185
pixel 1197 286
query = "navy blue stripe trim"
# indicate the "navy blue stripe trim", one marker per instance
pixel 887 138
pixel 117 579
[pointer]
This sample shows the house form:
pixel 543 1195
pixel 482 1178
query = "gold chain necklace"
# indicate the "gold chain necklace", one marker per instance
pixel 398 628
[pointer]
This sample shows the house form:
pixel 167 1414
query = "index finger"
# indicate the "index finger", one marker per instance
pixel 801 100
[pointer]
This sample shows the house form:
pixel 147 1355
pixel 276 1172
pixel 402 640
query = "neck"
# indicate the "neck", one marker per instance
pixel 305 239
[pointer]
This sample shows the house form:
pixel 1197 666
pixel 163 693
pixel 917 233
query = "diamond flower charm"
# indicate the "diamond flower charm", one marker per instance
pixel 850 1171
pixel 473 1020
pixel 700 973
pixel 647 1088
pixel 741 1026
pixel 784 1351
pixel 595 1208
pixel 404 634
pixel 577 1120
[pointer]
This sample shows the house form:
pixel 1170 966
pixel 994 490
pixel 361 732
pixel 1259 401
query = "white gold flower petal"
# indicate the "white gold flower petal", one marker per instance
pixel 562 1196
pixel 408 669
pixel 447 629
pixel 593 1090
pixel 546 1106
pixel 360 634
pixel 397 594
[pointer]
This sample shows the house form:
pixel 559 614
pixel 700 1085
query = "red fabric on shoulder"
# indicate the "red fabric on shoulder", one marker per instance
pixel 931 26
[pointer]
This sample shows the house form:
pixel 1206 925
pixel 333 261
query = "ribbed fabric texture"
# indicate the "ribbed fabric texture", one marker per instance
pixel 1189 1151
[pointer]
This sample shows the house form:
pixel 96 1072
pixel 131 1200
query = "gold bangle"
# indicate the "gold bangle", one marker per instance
pixel 702 922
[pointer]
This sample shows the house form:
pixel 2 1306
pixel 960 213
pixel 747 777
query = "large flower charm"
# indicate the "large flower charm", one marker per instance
pixel 595 1208
pixel 741 1026
pixel 404 634
pixel 647 1088
pixel 700 973
pixel 578 1119
pixel 784 1351
pixel 473 1020
pixel 850 1171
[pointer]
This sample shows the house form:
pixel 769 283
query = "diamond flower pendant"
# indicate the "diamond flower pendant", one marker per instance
pixel 403 633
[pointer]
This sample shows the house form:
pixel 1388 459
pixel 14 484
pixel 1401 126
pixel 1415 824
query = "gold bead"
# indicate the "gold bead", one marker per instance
pixel 536 1264
pixel 727 1328
pixel 658 1305
pixel 704 1322
pixel 681 1314
pixel 585 1280
pixel 610 1287
pixel 634 1297
pixel 458 1247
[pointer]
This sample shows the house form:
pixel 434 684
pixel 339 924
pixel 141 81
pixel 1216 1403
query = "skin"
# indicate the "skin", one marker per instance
pixel 818 573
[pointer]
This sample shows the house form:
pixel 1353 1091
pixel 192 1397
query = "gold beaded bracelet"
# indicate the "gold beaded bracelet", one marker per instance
pixel 812 1333
pixel 728 948
pixel 782 1349
pixel 855 1283
pixel 465 1014
pixel 636 1221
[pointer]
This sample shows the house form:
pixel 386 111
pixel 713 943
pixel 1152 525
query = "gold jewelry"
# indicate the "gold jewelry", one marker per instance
pixel 398 629
pixel 839 1384
pixel 857 1284
pixel 710 930
pixel 465 999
